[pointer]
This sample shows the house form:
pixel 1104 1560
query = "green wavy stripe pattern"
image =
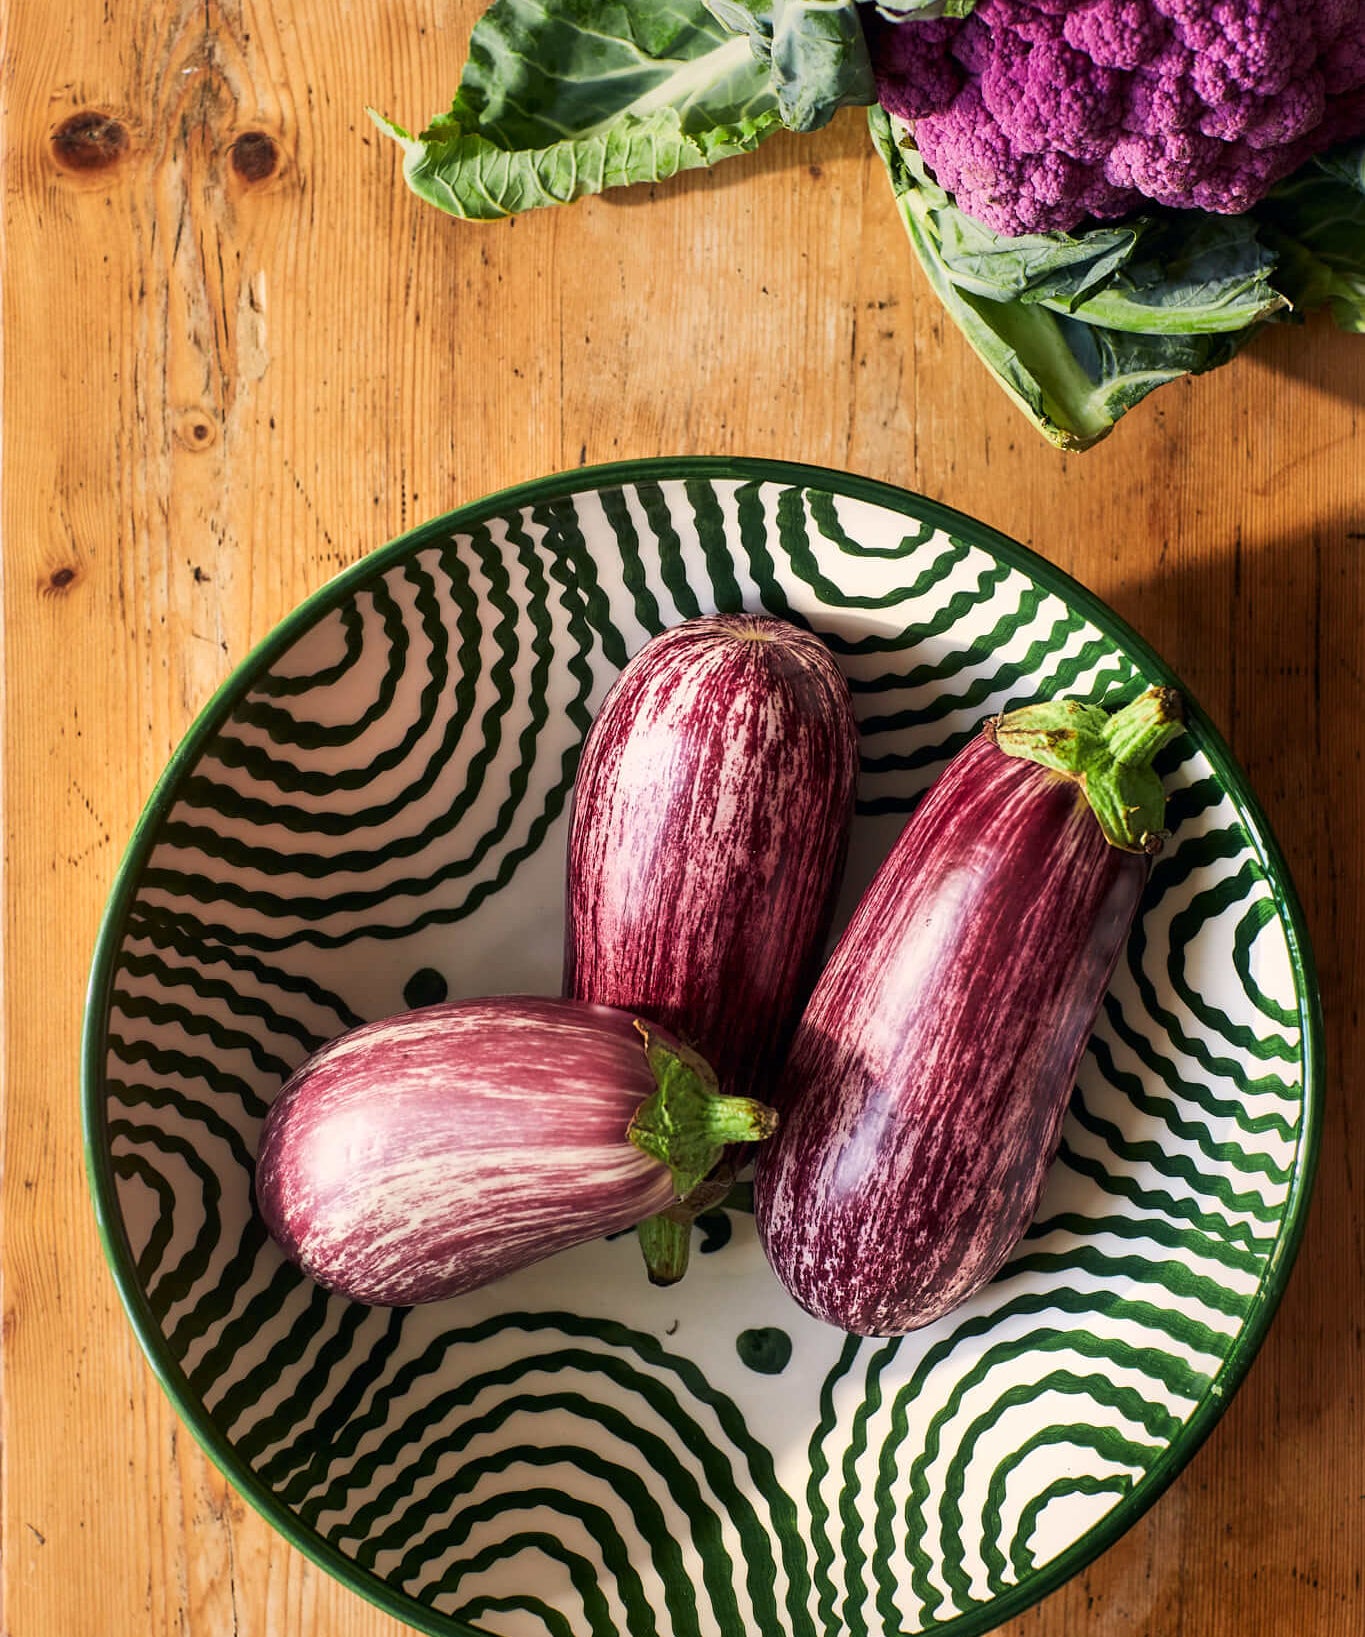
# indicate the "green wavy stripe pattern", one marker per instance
pixel 369 809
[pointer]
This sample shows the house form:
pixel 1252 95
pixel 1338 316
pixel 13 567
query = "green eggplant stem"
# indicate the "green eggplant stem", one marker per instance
pixel 666 1245
pixel 687 1124
pixel 1110 757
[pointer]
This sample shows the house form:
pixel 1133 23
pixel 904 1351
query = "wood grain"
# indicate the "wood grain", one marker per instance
pixel 238 355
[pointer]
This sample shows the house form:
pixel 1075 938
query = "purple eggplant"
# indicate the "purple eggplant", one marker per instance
pixel 709 829
pixel 433 1152
pixel 922 1103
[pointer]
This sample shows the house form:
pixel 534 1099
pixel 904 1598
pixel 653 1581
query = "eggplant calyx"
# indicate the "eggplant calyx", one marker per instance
pixel 1110 757
pixel 687 1124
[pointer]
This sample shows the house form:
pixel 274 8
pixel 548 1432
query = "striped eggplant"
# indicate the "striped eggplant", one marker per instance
pixel 923 1099
pixel 435 1151
pixel 709 828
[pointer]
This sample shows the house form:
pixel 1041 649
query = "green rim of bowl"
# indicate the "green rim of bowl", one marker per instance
pixel 1084 1550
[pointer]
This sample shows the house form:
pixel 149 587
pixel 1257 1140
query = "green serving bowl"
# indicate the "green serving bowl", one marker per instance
pixel 370 814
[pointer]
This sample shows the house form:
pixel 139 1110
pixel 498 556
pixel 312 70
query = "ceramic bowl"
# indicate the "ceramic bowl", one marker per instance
pixel 371 815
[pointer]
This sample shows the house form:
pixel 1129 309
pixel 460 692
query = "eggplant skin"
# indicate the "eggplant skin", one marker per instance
pixel 425 1155
pixel 708 835
pixel 924 1095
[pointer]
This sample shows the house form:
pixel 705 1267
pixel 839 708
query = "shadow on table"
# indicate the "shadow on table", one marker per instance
pixel 1281 665
pixel 1318 354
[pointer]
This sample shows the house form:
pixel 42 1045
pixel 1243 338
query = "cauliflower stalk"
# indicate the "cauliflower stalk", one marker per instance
pixel 1105 194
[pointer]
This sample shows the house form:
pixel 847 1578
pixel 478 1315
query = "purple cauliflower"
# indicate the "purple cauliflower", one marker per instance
pixel 1039 114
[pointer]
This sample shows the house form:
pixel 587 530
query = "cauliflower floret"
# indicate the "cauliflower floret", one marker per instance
pixel 1010 191
pixel 1268 122
pixel 1125 34
pixel 917 73
pixel 1048 97
pixel 1161 96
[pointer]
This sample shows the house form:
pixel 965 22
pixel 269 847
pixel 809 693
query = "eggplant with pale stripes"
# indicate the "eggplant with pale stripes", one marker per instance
pixel 922 1103
pixel 709 829
pixel 710 823
pixel 425 1155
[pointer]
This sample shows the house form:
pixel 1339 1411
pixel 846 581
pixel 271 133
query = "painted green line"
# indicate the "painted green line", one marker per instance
pixel 302 1465
pixel 265 858
pixel 1138 1040
pixel 214 1305
pixel 165 1286
pixel 620 1573
pixel 705 1524
pixel 973 1333
pixel 555 1624
pixel 200 1026
pixel 135 1051
pixel 596 1523
pixel 583 1575
pixel 1171 869
pixel 672 567
pixel 282 685
pixel 236 1002
pixel 163 932
pixel 188 1111
pixel 713 537
pixel 353 904
pixel 793 538
pixel 633 574
pixel 821 1577
pixel 1259 915
pixel 1173 1167
pixel 296 1407
pixel 276 684
pixel 784 1525
pixel 1174 1278
pixel 132 1164
pixel 752 517
pixel 952 662
pixel 457 1521
pixel 203 790
pixel 959 606
pixel 1119 1186
pixel 824 511
pixel 1021 1555
pixel 850 1498
pixel 240 1335
pixel 980 687
pixel 400 1438
pixel 1186 927
pixel 242 1395
pixel 282 727
pixel 1065 673
pixel 1091 1389
pixel 998 1576
pixel 1159 1229
pixel 567 542
pixel 1168 1110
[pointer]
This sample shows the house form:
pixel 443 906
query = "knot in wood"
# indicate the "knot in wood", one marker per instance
pixel 255 156
pixel 90 141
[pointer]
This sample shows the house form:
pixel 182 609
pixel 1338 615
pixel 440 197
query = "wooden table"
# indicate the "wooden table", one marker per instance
pixel 238 354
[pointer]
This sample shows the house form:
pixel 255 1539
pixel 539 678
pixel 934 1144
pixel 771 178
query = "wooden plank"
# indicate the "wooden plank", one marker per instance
pixel 239 354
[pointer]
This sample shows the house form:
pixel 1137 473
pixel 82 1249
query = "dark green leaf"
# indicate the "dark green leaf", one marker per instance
pixel 816 52
pixel 1315 222
pixel 1196 275
pixel 898 11
pixel 1073 377
pixel 1171 274
pixel 562 98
